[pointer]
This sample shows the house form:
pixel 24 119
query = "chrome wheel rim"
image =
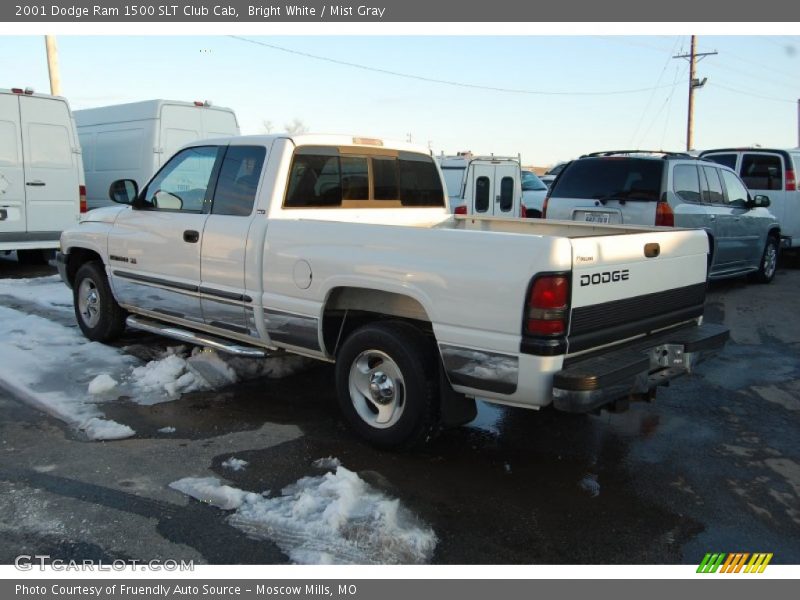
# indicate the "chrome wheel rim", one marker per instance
pixel 377 389
pixel 770 260
pixel 89 303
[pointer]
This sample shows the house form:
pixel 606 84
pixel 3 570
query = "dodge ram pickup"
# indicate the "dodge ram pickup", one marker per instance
pixel 342 249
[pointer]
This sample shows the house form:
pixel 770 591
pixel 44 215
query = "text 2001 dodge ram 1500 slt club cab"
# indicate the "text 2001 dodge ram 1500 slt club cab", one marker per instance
pixel 342 249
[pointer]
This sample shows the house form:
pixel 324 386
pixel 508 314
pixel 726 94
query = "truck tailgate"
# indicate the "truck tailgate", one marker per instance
pixel 627 285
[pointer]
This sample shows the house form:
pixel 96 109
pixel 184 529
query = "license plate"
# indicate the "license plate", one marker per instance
pixel 595 217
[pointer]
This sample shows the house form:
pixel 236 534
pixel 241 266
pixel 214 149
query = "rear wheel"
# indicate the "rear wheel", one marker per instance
pixel 769 262
pixel 386 385
pixel 99 316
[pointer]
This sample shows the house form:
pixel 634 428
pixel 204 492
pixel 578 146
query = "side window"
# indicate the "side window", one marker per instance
pixel 714 193
pixel 685 183
pixel 762 171
pixel 386 178
pixel 482 194
pixel 420 184
pixel 506 194
pixel 314 181
pixel 238 181
pixel 49 146
pixel 729 160
pixel 736 192
pixel 183 182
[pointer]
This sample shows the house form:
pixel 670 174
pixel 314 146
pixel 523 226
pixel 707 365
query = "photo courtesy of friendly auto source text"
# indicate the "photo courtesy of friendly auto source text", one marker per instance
pixel 472 292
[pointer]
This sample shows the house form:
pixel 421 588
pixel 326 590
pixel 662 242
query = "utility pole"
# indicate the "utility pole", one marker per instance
pixel 52 64
pixel 694 57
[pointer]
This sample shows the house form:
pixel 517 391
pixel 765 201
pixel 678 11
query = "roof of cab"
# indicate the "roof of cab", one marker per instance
pixel 319 139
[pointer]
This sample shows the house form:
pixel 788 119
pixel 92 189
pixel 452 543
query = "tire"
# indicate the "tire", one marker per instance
pixel 99 316
pixel 32 257
pixel 386 384
pixel 769 262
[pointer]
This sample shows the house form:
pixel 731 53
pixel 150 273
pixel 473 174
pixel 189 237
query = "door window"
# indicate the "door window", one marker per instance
pixel 762 171
pixel 685 183
pixel 729 160
pixel 506 193
pixel 183 183
pixel 737 193
pixel 482 194
pixel 49 146
pixel 355 178
pixel 238 181
pixel 384 172
pixel 713 194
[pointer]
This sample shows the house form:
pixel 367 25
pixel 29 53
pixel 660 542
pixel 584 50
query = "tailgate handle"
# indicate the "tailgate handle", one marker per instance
pixel 652 250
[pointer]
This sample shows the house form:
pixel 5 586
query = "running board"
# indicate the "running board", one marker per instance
pixel 194 337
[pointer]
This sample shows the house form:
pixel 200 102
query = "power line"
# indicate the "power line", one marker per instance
pixel 439 81
pixel 737 91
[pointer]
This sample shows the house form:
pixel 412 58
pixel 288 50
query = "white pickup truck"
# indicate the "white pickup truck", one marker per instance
pixel 342 249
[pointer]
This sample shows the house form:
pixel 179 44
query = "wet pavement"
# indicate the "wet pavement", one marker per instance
pixel 713 464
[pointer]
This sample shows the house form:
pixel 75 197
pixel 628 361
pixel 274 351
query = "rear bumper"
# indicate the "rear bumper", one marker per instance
pixel 635 370
pixel 61 265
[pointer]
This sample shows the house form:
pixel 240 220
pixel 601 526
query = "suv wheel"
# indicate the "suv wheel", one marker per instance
pixel 769 261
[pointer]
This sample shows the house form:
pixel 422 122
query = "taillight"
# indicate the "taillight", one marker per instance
pixel 664 214
pixel 523 212
pixel 544 206
pixel 547 306
pixel 82 196
pixel 791 183
pixel 461 210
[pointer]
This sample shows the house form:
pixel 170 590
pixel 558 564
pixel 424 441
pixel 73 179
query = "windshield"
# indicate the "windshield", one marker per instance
pixel 611 179
pixel 531 183
pixel 453 176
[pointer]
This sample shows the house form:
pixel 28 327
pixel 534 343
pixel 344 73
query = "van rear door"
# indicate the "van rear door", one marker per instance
pixel 12 177
pixel 52 166
pixel 632 284
pixel 218 123
pixel 496 188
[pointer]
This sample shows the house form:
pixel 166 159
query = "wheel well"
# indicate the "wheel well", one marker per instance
pixel 78 257
pixel 775 233
pixel 349 308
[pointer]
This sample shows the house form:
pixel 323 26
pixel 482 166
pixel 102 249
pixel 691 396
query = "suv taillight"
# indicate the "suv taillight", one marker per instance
pixel 523 212
pixel 82 196
pixel 461 210
pixel 791 183
pixel 664 214
pixel 547 306
pixel 544 205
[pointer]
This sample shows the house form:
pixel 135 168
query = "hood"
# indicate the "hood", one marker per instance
pixel 106 214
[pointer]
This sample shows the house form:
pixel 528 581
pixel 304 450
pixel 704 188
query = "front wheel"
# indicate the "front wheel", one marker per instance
pixel 769 262
pixel 386 385
pixel 99 316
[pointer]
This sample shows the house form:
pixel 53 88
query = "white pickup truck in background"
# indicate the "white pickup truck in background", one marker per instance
pixel 342 249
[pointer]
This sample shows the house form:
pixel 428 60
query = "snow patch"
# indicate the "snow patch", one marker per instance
pixel 335 518
pixel 590 485
pixel 235 464
pixel 106 429
pixel 168 375
pixel 101 384
pixel 167 430
pixel 327 463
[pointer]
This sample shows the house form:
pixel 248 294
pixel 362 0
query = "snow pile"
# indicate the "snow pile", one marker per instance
pixel 235 464
pixel 102 384
pixel 49 292
pixel 169 375
pixel 211 491
pixel 274 367
pixel 167 430
pixel 105 429
pixel 590 485
pixel 336 518
pixel 329 463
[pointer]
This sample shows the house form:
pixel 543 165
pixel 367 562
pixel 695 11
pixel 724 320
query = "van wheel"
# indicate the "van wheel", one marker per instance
pixel 32 257
pixel 769 262
pixel 386 385
pixel 99 316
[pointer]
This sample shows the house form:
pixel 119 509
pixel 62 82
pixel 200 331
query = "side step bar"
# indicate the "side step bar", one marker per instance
pixel 194 337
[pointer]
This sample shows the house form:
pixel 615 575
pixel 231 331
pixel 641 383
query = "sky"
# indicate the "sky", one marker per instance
pixel 547 98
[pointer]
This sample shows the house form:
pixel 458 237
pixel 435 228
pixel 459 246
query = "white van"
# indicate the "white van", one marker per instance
pixel 131 141
pixel 773 173
pixel 41 175
pixel 491 186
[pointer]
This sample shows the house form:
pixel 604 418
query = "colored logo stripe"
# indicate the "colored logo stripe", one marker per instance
pixel 734 562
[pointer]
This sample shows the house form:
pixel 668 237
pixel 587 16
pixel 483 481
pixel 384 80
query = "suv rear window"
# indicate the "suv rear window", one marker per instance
pixel 611 179
pixel 762 171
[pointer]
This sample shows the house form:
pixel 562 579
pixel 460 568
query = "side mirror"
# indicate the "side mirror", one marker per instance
pixel 123 191
pixel 759 201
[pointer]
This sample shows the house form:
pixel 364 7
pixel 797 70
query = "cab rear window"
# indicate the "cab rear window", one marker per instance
pixel 611 179
pixel 322 177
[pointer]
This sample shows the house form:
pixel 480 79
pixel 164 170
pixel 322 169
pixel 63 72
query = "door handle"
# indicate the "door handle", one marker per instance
pixel 191 236
pixel 36 183
pixel 712 217
pixel 3 214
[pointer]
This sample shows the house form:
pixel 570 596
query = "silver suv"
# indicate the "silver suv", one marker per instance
pixel 672 189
